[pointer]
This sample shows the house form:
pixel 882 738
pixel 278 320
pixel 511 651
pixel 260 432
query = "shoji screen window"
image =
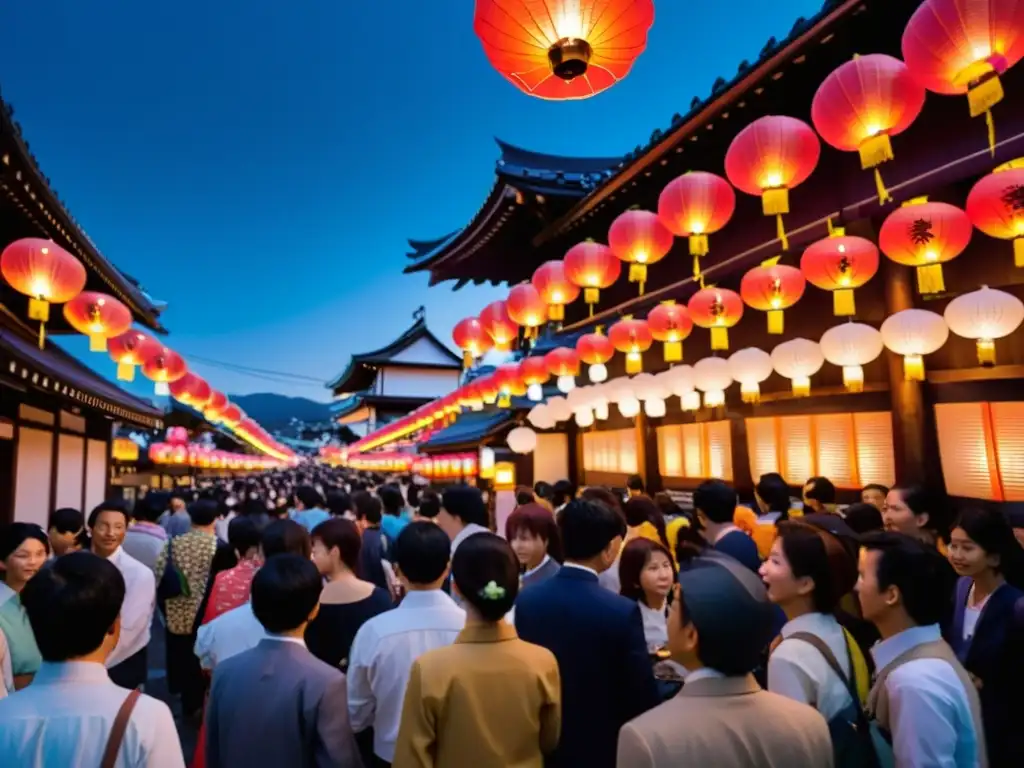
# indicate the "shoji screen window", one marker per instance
pixel 695 451
pixel 981 446
pixel 613 451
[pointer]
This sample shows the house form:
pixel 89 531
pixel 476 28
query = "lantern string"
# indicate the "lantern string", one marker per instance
pixel 884 195
pixel 781 232
pixel 42 334
pixel 991 123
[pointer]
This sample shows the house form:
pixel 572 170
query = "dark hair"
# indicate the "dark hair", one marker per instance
pixel 430 504
pixel 243 535
pixel 465 503
pixel 285 537
pixel 412 495
pixel 921 574
pixel 284 592
pixel 538 521
pixel 923 501
pixel 774 491
pixel 483 559
pixel 309 497
pixel 422 552
pixel 562 493
pixel 821 490
pixel 588 527
pixel 392 500
pixel 634 558
pixel 368 507
pixel 989 529
pixel 635 483
pixel 151 506
pixel 642 509
pixel 72 604
pixel 876 487
pixel 342 534
pixel 863 518
pixel 204 512
pixel 13 535
pixel 524 496
pixel 816 554
pixel 543 490
pixel 108 506
pixel 67 520
pixel 603 495
pixel 338 503
pixel 716 499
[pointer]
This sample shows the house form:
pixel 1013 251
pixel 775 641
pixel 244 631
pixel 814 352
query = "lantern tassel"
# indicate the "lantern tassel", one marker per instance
pixel 673 351
pixel 467 359
pixel 913 368
pixel 556 312
pixel 781 231
pixel 638 274
pixel 843 303
pixel 987 352
pixel 696 266
pixel 634 362
pixel 1018 252
pixel 991 125
pixel 775 321
pixel 930 279
pixel 39 309
pixel 699 245
pixel 42 335
pixel 719 339
pixel 125 372
pixel 884 196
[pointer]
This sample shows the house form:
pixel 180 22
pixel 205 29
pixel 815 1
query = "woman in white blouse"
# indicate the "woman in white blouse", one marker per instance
pixel 647 574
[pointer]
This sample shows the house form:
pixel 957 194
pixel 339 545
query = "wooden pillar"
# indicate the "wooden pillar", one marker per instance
pixel 909 410
pixel 574 449
pixel 641 430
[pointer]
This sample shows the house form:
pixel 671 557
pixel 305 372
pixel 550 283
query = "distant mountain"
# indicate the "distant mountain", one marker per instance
pixel 275 412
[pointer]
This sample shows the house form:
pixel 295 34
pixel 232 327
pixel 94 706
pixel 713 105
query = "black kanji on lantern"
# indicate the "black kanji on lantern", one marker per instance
pixel 1013 197
pixel 921 231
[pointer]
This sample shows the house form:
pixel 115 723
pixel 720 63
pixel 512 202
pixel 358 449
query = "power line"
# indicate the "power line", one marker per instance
pixel 259 371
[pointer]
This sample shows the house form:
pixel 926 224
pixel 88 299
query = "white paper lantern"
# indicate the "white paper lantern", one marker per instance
pixel 599 400
pixel 578 398
pixel 597 373
pixel 681 377
pixel 798 360
pixel 644 386
pixel 750 367
pixel 540 416
pixel 629 407
pixel 566 383
pixel 535 393
pixel 985 315
pixel 559 409
pixel 851 346
pixel 914 333
pixel 584 417
pixel 522 440
pixel 711 376
pixel 691 400
pixel 655 407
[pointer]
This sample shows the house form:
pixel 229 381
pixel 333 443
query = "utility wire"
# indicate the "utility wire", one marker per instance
pixel 259 371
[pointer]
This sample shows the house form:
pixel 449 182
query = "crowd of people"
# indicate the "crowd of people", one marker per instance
pixel 321 617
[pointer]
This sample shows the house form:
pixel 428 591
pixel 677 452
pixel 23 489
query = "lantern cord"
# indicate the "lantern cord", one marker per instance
pixel 991 123
pixel 42 335
pixel 696 266
pixel 883 194
pixel 781 232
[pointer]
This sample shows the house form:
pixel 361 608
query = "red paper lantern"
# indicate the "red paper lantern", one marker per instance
pixel 489 387
pixel 924 235
pixel 129 350
pixel 526 308
pixel 632 337
pixel 43 271
pixel 191 390
pixel 840 264
pixel 563 363
pixel 99 317
pixel 670 324
pixel 510 382
pixel 163 366
pixel 231 415
pixel 639 238
pixel 499 326
pixel 563 49
pixel 592 266
pixel 717 309
pixel 963 46
pixel 996 207
pixel 534 372
pixel 555 288
pixel 595 350
pixel 862 104
pixel 768 158
pixel 215 406
pixel 695 205
pixel 772 289
pixel 470 336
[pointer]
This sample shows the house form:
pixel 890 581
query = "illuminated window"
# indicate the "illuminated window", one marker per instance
pixel 851 449
pixel 614 451
pixel 696 450
pixel 981 447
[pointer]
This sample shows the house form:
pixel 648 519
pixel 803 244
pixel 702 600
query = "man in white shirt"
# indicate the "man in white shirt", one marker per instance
pixel 386 646
pixel 66 717
pixel 463 513
pixel 127 662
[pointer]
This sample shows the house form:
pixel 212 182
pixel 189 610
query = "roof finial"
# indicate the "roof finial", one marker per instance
pixel 420 313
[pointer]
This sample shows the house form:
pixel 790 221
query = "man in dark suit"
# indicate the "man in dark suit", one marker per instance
pixel 277 704
pixel 596 635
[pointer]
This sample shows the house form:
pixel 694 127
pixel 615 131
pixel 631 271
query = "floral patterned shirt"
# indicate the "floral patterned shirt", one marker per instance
pixel 193 556
pixel 231 589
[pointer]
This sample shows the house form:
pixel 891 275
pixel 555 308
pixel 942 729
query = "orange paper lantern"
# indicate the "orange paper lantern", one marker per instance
pixel 639 238
pixel 670 324
pixel 695 205
pixel 43 271
pixel 129 350
pixel 717 309
pixel 191 390
pixel 534 372
pixel 163 366
pixel 632 337
pixel 555 288
pixel 99 317
pixel 995 205
pixel 510 382
pixel 470 336
pixel 840 264
pixel 526 308
pixel 592 266
pixel 595 350
pixel 563 363
pixel 925 235
pixel 772 289
pixel 499 326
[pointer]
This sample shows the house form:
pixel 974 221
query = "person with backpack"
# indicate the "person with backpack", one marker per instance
pixel 817 662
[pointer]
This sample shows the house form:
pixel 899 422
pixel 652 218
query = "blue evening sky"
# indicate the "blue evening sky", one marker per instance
pixel 259 165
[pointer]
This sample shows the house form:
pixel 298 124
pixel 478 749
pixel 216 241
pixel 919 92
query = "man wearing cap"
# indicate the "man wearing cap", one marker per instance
pixel 719 624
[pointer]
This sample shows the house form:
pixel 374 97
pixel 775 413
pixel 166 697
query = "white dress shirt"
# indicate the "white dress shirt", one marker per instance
pixel 229 634
pixel 65 717
pixel 929 714
pixel 137 608
pixel 382 656
pixel 465 533
pixel 798 671
pixel 655 625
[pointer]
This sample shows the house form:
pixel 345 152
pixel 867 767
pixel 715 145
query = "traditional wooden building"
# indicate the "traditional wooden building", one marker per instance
pixel 56 415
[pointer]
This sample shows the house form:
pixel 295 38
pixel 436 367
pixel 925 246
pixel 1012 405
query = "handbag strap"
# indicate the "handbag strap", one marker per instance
pixel 124 714
pixel 822 647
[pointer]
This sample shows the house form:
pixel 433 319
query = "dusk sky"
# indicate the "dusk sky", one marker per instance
pixel 260 165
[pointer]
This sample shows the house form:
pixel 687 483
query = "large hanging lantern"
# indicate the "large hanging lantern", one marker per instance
pixel 232 415
pixel 914 333
pixel 563 49
pixel 862 104
pixel 534 372
pixel 852 346
pixel 526 308
pixel 499 326
pixel 632 337
pixel 592 266
pixel 925 235
pixel 750 367
pixel 840 264
pixel 772 289
pixel 522 440
pixel 798 360
pixel 712 376
pixel 962 47
pixel 215 406
pixel 996 207
pixel 717 309
pixel 768 158
pixel 563 363
pixel 163 366
pixel 97 316
pixel 639 238
pixel 130 349
pixel 470 336
pixel 191 390
pixel 595 349
pixel 695 205
pixel 985 315
pixel 555 288
pixel 670 324
pixel 43 271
